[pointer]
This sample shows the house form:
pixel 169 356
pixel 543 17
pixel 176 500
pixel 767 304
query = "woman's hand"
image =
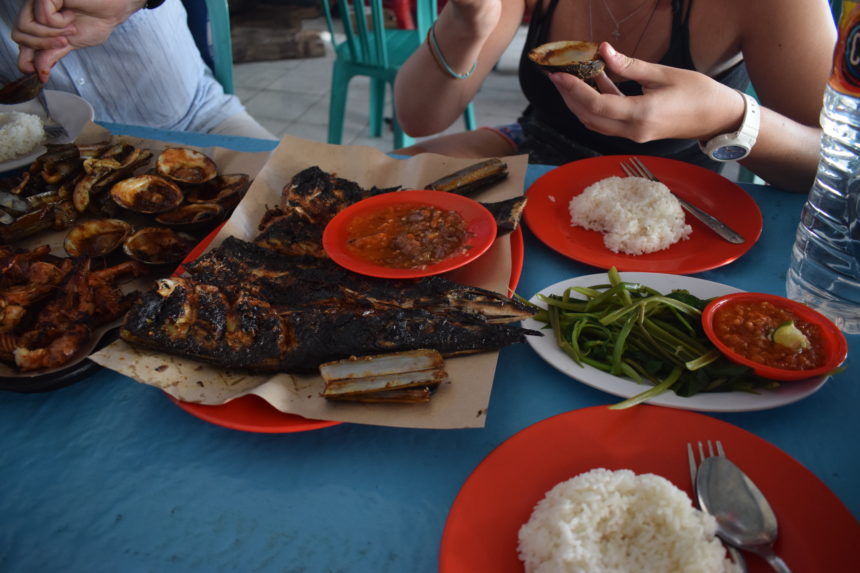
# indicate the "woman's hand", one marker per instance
pixel 47 30
pixel 674 103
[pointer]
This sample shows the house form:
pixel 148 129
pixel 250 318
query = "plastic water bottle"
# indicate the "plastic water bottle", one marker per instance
pixel 824 272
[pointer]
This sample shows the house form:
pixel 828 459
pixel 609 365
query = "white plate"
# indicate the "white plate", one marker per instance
pixel 69 110
pixel 547 349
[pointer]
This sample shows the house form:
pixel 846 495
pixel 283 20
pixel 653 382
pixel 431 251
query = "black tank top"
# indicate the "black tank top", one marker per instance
pixel 547 115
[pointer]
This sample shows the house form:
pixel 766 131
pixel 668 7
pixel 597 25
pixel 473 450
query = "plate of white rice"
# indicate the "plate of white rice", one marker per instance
pixel 617 494
pixel 591 212
pixel 617 521
pixel 22 135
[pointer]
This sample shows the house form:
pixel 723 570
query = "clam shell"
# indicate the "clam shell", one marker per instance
pixel 192 216
pixel 574 57
pixel 226 190
pixel 147 194
pixel 185 165
pixel 158 245
pixel 96 238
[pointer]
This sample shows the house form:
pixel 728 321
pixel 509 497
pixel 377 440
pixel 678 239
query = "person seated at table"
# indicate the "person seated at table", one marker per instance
pixel 674 70
pixel 134 65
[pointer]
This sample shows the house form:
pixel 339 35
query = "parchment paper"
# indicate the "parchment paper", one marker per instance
pixel 460 404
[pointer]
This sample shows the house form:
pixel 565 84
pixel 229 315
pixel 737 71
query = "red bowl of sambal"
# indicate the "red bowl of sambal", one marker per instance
pixel 409 234
pixel 777 337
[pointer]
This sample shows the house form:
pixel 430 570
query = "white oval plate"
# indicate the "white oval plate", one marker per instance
pixel 547 349
pixel 69 110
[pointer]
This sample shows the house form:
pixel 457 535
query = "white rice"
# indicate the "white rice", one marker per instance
pixel 607 521
pixel 20 133
pixel 635 215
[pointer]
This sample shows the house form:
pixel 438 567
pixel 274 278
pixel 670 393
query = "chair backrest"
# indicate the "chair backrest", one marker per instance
pixel 209 22
pixel 366 40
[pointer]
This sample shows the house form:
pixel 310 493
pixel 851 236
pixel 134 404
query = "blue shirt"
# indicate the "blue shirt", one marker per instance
pixel 148 72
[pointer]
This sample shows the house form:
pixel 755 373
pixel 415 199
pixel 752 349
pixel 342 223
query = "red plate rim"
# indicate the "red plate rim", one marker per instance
pixel 479 221
pixel 547 215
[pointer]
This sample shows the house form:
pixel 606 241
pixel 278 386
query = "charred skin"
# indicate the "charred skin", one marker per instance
pixel 201 321
pixel 298 281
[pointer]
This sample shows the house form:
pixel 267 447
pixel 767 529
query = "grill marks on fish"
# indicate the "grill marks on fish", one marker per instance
pixel 297 281
pixel 236 329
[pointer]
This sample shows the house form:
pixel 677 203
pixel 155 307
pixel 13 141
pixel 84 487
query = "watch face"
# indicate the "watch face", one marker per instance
pixel 729 153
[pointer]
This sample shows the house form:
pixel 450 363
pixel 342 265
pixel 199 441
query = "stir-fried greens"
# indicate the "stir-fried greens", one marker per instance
pixel 631 330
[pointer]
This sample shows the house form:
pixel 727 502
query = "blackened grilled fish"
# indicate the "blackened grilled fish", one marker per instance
pixel 237 329
pixel 292 281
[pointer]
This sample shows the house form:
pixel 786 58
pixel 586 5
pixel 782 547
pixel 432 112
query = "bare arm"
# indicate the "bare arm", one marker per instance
pixel 789 77
pixel 468 31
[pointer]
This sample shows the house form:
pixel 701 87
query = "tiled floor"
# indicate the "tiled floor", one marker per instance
pixel 292 96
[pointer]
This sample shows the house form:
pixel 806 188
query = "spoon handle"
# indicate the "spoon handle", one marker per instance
pixel 776 562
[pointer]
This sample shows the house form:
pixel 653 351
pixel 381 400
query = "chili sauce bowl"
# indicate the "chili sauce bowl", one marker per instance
pixel 751 343
pixel 478 224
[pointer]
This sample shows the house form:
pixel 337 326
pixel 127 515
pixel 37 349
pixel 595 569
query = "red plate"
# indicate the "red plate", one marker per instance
pixel 253 414
pixel 480 224
pixel 547 216
pixel 480 533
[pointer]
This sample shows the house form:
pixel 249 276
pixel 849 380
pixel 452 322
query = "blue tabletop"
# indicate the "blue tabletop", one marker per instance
pixel 108 475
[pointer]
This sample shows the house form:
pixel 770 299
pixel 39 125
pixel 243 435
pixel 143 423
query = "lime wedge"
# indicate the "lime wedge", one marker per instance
pixel 787 334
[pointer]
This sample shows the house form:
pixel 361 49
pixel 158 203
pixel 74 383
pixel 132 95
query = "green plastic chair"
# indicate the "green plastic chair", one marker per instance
pixel 376 52
pixel 209 22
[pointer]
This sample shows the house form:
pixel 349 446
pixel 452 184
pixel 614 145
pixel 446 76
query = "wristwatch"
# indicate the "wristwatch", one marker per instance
pixel 737 145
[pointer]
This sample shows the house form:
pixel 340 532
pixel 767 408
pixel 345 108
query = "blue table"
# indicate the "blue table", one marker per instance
pixel 109 475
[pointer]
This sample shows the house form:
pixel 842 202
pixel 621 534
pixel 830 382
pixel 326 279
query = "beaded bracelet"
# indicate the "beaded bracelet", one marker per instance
pixel 433 44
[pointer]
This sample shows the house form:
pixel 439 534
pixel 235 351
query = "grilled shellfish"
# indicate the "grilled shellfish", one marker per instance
pixel 158 245
pixel 574 57
pixel 96 237
pixel 147 194
pixel 185 165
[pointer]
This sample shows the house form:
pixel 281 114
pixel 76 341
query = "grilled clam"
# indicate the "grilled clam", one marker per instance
pixel 185 165
pixel 192 216
pixel 96 238
pixel 226 190
pixel 147 194
pixel 158 245
pixel 574 57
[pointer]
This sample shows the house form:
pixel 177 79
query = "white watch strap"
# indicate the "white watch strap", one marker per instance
pixel 740 141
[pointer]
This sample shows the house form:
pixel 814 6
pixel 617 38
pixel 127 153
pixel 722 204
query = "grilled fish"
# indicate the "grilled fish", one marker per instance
pixel 292 281
pixel 238 329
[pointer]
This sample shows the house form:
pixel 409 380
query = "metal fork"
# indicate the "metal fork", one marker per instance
pixel 635 168
pixel 736 555
pixel 53 129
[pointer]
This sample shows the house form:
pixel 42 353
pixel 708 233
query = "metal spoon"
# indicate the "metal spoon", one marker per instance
pixel 744 518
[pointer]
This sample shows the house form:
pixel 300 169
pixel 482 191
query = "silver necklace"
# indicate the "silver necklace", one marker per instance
pixel 616 33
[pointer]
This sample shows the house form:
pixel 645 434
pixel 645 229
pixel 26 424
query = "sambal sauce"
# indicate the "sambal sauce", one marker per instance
pixel 407 235
pixel 747 328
